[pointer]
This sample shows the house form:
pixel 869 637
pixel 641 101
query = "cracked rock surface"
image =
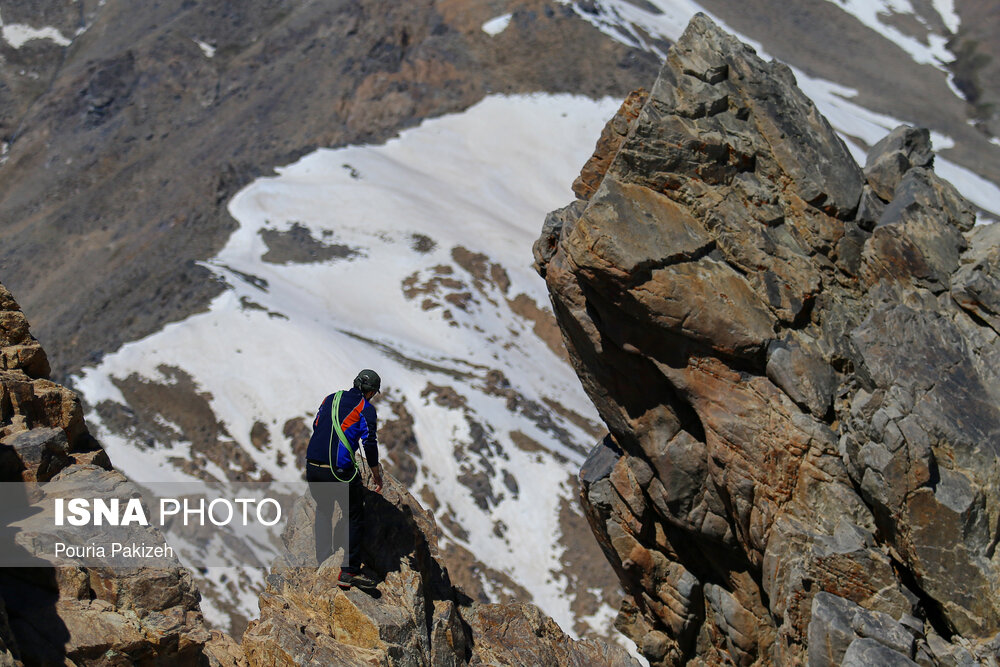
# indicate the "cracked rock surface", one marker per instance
pixel 797 359
pixel 417 617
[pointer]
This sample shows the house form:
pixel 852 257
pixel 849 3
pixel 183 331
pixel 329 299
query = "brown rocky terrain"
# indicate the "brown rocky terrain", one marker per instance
pixel 797 359
pixel 417 617
pixel 76 615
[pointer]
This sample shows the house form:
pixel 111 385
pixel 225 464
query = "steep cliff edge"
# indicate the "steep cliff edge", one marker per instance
pixel 798 362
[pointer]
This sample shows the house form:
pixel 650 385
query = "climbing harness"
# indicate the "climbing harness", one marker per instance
pixel 341 440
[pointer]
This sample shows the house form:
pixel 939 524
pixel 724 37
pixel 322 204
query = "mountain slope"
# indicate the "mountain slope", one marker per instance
pixel 413 266
pixel 133 137
pixel 128 145
pixel 127 129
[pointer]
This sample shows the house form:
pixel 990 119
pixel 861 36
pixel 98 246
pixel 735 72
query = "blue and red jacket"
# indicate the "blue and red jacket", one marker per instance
pixel 357 420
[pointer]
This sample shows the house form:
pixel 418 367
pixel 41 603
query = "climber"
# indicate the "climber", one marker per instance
pixel 332 456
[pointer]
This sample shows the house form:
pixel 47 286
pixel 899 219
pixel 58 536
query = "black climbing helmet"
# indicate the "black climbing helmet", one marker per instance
pixel 367 380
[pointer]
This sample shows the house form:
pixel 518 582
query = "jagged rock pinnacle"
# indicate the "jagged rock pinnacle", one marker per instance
pixel 798 364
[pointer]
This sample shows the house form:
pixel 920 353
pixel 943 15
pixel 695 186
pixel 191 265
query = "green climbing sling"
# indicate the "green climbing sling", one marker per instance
pixel 341 438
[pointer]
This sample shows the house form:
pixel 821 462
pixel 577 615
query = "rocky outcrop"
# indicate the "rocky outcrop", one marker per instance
pixel 797 360
pixel 417 617
pixel 69 615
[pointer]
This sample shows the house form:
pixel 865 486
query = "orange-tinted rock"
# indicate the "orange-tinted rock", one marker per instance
pixel 81 616
pixel 417 617
pixel 612 137
pixel 799 368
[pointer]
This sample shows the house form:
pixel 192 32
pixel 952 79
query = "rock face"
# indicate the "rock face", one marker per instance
pixel 798 361
pixel 417 617
pixel 80 616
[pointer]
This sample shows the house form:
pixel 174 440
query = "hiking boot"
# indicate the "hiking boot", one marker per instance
pixel 347 579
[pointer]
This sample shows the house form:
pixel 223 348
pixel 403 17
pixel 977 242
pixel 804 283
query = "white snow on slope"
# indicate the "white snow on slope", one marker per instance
pixel 18 34
pixel 483 180
pixel 630 24
pixel 205 47
pixel 627 22
pixel 494 27
pixel 876 13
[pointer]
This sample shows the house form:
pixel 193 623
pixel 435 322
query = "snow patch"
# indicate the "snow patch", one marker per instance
pixel 981 192
pixel 946 10
pixel 873 13
pixel 495 26
pixel 18 34
pixel 941 142
pixel 205 47
pixel 629 24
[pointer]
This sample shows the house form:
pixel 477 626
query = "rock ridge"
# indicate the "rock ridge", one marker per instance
pixel 417 617
pixel 796 358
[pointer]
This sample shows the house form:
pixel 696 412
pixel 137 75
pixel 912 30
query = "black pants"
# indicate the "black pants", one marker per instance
pixel 324 489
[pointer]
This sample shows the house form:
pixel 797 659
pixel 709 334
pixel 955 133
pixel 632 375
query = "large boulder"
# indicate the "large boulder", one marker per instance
pixel 797 361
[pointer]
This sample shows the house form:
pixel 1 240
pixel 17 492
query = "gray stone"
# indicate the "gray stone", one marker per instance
pixel 865 652
pixel 830 629
pixel 601 460
pixel 950 655
pixel 802 374
pixel 849 248
pixel 884 629
pixel 43 452
pixel 894 155
pixel 555 224
pixel 919 236
pixel 870 209
pixel 680 469
pixel 976 285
